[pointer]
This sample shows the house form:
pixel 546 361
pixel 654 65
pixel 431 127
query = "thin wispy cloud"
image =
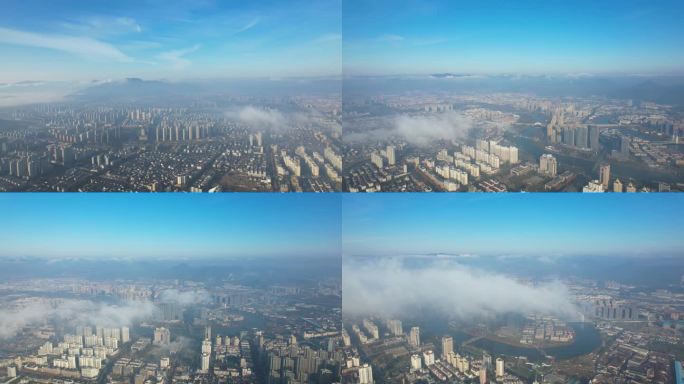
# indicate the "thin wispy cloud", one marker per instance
pixel 104 26
pixel 142 45
pixel 329 38
pixel 176 58
pixel 390 38
pixel 82 46
pixel 150 39
pixel 415 41
pixel 128 22
pixel 430 41
pixel 253 23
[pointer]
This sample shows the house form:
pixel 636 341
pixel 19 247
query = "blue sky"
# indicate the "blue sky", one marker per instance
pixel 522 36
pixel 74 40
pixel 564 224
pixel 170 225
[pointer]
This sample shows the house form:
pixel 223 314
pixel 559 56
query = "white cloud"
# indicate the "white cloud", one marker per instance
pixel 388 288
pixel 129 23
pixel 419 130
pixel 29 92
pixel 77 312
pixel 176 58
pixel 251 24
pixel 269 119
pixel 329 38
pixel 430 41
pixel 103 26
pixel 262 118
pixel 184 297
pixel 391 38
pixel 82 46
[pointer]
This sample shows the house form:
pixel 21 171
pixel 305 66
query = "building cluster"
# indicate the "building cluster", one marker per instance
pixel 139 372
pixel 547 329
pixel 378 157
pixel 581 132
pixel 353 371
pixel 134 148
pixel 423 365
pixel 629 358
pixel 78 355
pixel 289 362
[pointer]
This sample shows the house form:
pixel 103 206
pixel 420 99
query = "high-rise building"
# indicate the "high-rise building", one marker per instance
pixel 594 138
pixel 499 367
pixel 483 375
pixel 414 337
pixel 624 146
pixel 617 186
pixel 391 159
pixel 206 346
pixel 71 361
pixel 125 335
pixel 548 165
pixel 611 310
pixel 604 175
pixel 487 360
pixel 415 362
pixel 205 362
pixel 582 137
pixel 447 346
pixel 366 374
pixel 377 160
pixel 395 327
pixel 162 336
pixel 593 186
pixel 428 358
pixel 513 155
pixel 169 311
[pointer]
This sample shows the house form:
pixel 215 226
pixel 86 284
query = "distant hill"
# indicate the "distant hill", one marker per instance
pixel 142 91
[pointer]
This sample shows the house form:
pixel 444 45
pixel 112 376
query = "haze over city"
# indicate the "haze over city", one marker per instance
pixel 200 288
pixel 317 192
pixel 513 288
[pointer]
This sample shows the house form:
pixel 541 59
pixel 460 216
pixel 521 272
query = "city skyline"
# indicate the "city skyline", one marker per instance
pixel 537 225
pixel 95 41
pixel 170 226
pixel 528 37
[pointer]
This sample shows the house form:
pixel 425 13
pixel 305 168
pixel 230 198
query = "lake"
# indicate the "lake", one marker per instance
pixel 587 338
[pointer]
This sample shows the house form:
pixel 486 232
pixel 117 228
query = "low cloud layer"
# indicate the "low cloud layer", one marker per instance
pixel 76 312
pixel 261 118
pixel 177 57
pixel 418 130
pixel 185 297
pixel 180 344
pixel 29 92
pixel 266 119
pixel 388 288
